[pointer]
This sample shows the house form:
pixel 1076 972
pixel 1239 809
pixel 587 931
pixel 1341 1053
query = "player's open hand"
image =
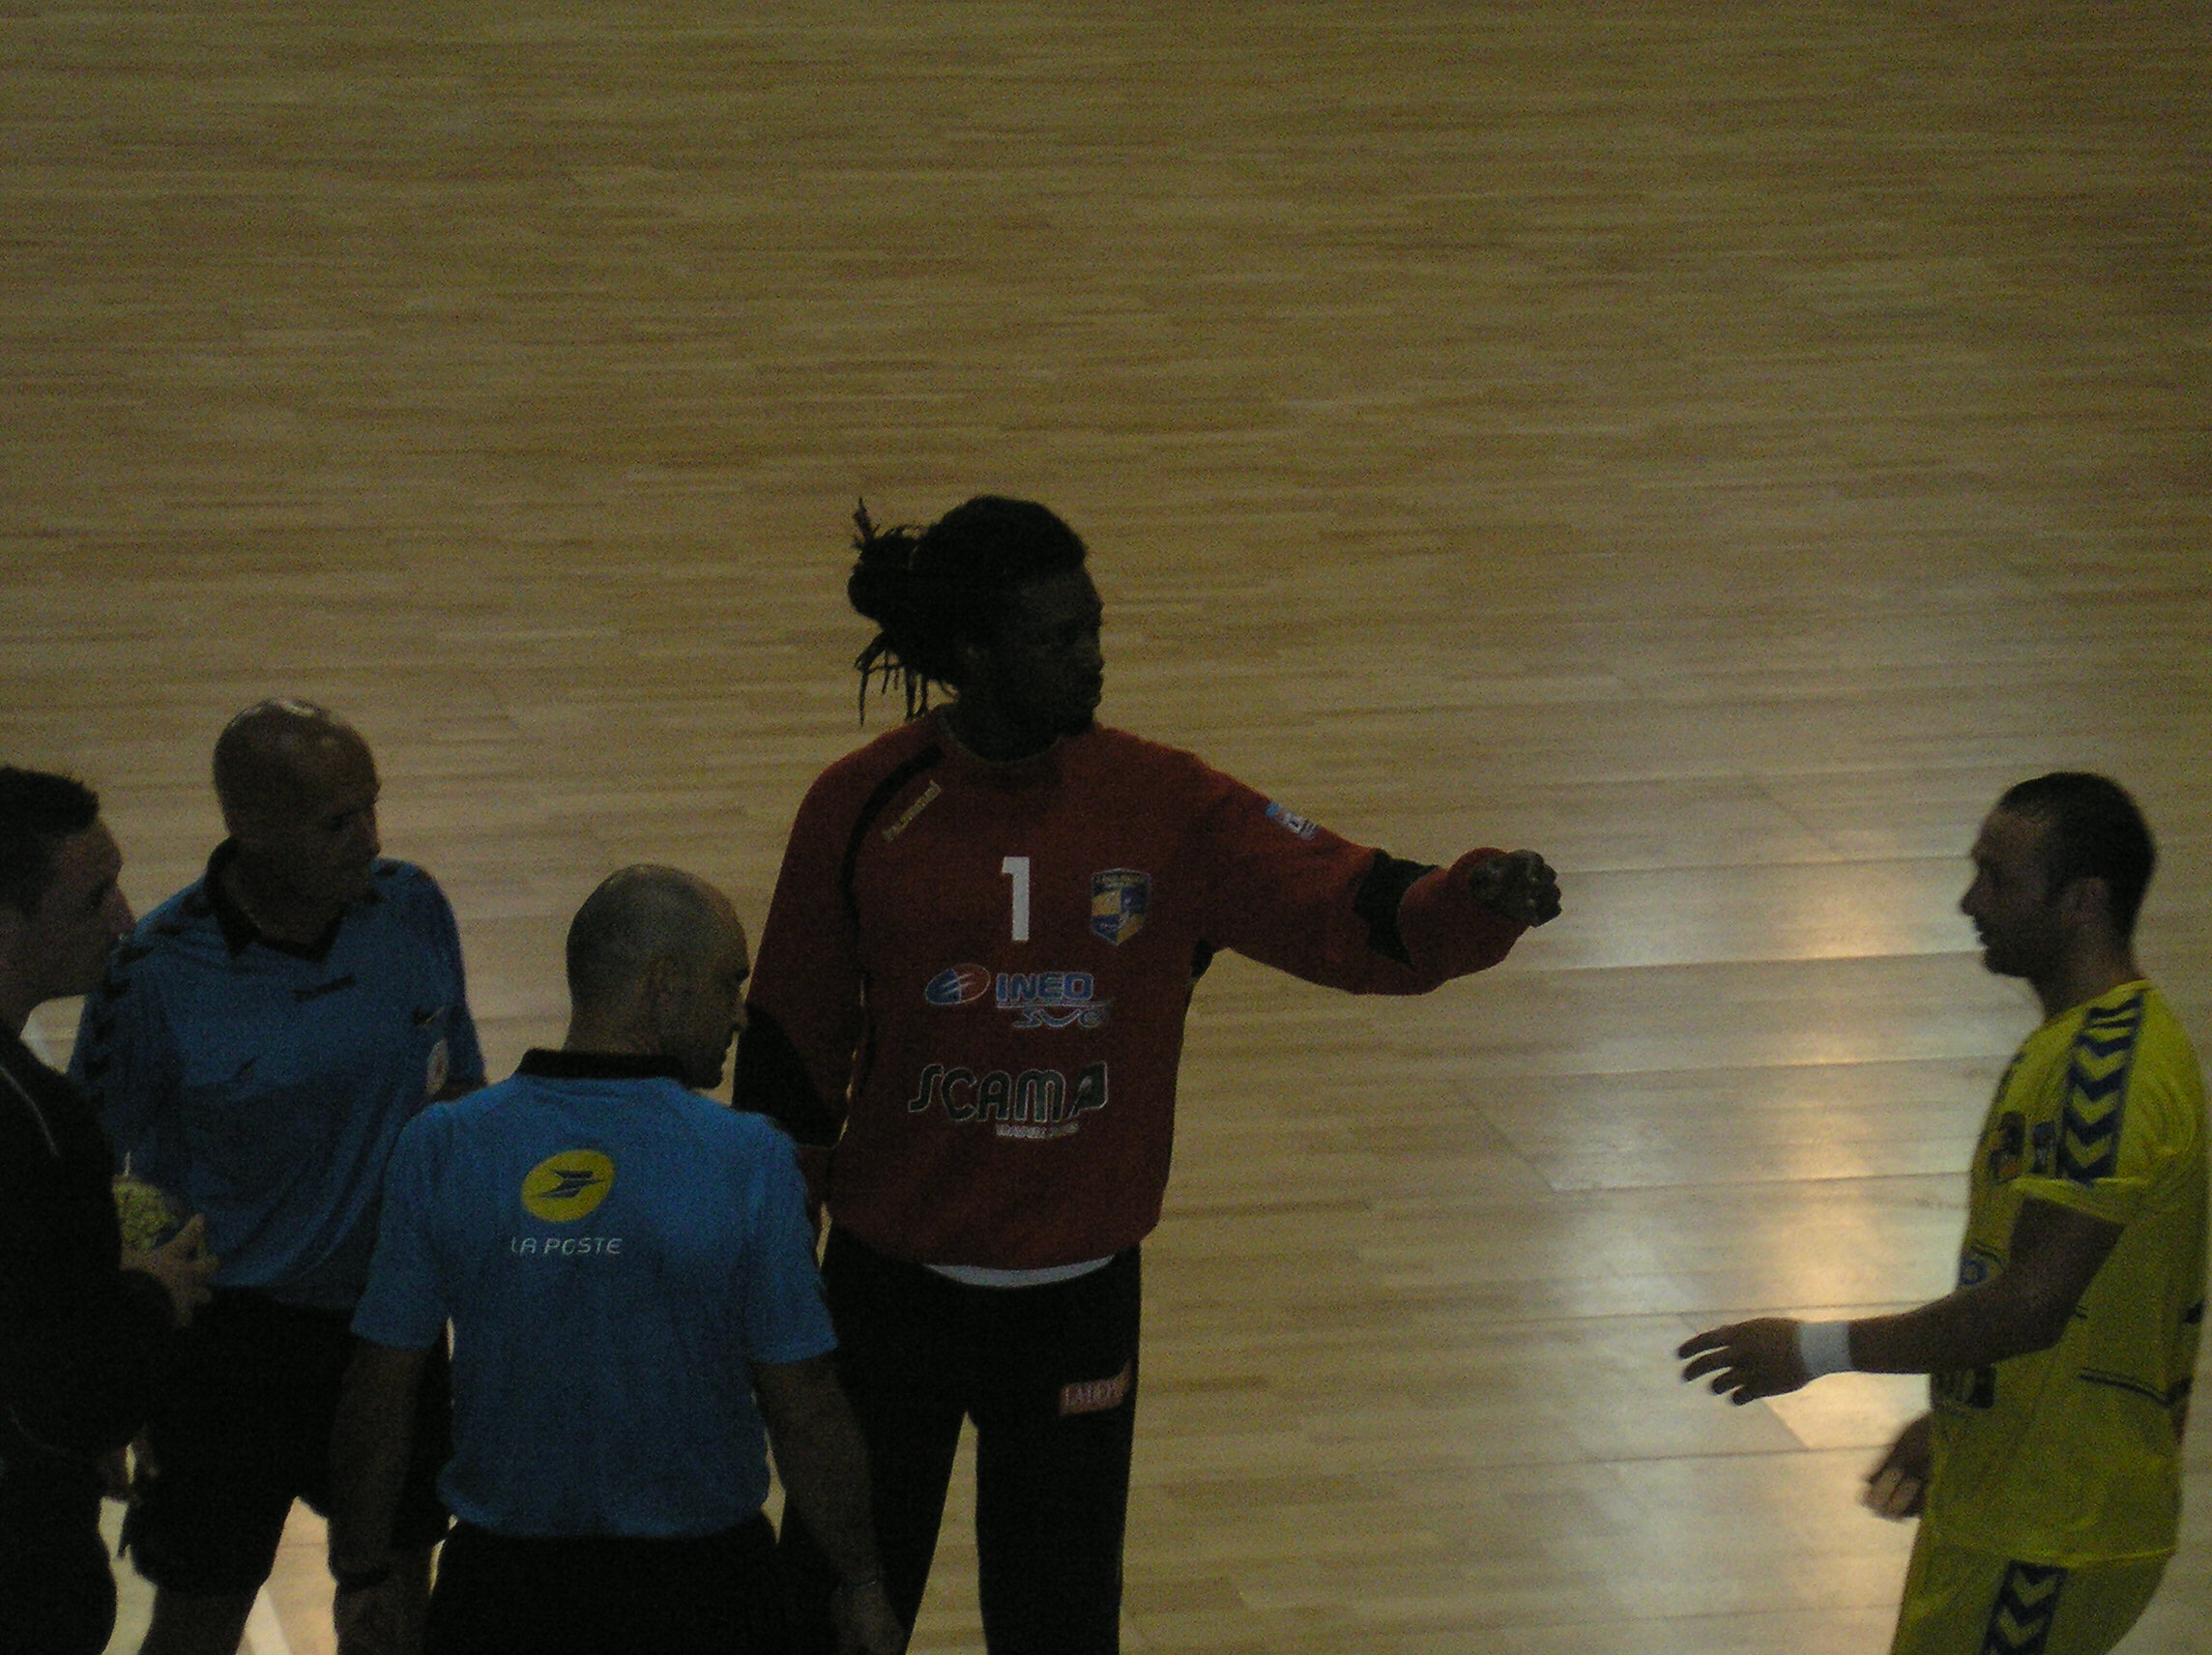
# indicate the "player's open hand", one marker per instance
pixel 1518 885
pixel 1747 1359
pixel 1896 1487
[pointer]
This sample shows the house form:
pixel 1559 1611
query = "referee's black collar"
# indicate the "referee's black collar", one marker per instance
pixel 239 932
pixel 546 1065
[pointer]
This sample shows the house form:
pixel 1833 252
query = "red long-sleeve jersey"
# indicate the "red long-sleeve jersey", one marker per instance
pixel 980 973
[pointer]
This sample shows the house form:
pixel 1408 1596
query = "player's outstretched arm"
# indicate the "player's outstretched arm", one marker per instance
pixel 2055 1254
pixel 824 1465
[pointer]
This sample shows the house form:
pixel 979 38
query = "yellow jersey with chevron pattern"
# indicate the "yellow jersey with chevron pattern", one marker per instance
pixel 2072 1455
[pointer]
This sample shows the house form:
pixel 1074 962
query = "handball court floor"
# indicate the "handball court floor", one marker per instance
pixel 1719 446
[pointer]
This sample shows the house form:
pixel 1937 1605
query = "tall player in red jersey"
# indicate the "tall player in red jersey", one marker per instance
pixel 973 983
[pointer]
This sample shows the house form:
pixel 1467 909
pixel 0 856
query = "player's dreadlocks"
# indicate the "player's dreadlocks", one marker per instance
pixel 930 591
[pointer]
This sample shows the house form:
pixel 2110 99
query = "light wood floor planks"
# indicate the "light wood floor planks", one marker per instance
pixel 1720 445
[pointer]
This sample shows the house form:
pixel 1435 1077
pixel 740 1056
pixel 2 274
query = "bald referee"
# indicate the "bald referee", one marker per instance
pixel 628 1272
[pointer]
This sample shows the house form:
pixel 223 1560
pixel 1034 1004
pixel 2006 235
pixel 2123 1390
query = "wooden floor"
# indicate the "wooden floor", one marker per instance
pixel 1720 445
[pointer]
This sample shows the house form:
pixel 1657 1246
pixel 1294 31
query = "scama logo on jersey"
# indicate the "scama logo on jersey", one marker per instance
pixel 1035 1103
pixel 1038 999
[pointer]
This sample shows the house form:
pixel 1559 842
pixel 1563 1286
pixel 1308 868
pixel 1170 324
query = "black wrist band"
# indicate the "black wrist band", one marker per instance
pixel 362 1580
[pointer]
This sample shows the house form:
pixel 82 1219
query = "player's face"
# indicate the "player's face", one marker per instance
pixel 2016 913
pixel 66 938
pixel 716 1013
pixel 1044 667
pixel 318 837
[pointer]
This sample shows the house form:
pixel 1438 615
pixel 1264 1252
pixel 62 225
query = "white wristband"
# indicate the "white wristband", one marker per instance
pixel 1824 1348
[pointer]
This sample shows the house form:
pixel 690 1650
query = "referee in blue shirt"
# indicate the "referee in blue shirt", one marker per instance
pixel 628 1272
pixel 256 1046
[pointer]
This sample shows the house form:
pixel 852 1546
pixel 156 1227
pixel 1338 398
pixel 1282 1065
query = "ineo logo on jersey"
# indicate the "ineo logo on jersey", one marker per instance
pixel 958 985
pixel 570 1185
pixel 1282 816
pixel 1051 1000
pixel 1038 999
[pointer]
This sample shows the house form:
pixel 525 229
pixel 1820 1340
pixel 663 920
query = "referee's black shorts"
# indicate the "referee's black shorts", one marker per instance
pixel 499 1594
pixel 243 1429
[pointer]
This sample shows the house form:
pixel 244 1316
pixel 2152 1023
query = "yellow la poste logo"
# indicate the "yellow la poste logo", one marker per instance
pixel 570 1185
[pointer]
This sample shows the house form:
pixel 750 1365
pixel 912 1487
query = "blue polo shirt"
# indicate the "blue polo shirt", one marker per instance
pixel 612 1251
pixel 264 1086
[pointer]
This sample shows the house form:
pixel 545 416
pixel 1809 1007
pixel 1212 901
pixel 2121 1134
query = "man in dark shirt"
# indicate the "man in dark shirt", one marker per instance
pixel 81 1321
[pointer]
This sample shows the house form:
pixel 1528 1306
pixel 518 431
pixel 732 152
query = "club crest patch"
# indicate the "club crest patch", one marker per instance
pixel 1118 899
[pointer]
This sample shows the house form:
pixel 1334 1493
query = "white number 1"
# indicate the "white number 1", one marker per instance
pixel 1017 868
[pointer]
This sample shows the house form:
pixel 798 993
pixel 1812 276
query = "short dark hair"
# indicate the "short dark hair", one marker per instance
pixel 2093 830
pixel 38 811
pixel 930 591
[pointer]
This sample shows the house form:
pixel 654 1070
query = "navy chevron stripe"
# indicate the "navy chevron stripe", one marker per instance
pixel 2081 1172
pixel 2096 1104
pixel 2087 1169
pixel 2129 1010
pixel 2027 1603
pixel 2094 1086
pixel 2097 1131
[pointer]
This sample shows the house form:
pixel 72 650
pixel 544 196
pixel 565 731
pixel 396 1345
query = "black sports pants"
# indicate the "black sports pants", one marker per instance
pixel 1049 1374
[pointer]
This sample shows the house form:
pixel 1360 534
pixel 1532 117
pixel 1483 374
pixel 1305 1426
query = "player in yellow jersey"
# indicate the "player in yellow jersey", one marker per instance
pixel 2048 1472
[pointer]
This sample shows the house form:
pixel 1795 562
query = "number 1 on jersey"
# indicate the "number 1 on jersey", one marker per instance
pixel 1017 868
